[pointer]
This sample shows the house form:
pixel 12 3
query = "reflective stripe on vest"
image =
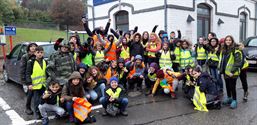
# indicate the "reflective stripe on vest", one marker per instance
pixel 38 75
pixel 87 60
pixel 246 64
pixel 213 56
pixel 199 100
pixel 177 54
pixel 99 56
pixel 111 54
pixel 201 53
pixel 185 58
pixel 152 77
pixel 81 109
pixel 165 59
pixel 152 46
pixel 124 53
pixel 112 94
pixel 75 56
pixel 230 64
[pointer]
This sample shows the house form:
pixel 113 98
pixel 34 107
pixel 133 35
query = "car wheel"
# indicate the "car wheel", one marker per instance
pixel 6 76
pixel 25 88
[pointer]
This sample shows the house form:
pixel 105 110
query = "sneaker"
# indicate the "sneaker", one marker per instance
pixel 246 96
pixel 45 121
pixel 29 111
pixel 104 113
pixel 71 119
pixel 124 113
pixel 233 104
pixel 173 95
pixel 227 101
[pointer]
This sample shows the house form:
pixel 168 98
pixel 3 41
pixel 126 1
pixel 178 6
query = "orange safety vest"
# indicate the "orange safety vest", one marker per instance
pixel 133 71
pixel 111 54
pixel 109 73
pixel 81 108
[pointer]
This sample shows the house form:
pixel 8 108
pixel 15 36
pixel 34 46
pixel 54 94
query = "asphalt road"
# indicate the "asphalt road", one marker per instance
pixel 158 110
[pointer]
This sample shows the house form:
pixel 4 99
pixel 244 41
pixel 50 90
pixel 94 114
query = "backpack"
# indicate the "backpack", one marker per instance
pixel 112 109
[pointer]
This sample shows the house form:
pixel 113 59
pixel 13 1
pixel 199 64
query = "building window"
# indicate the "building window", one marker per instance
pixel 243 22
pixel 122 20
pixel 203 20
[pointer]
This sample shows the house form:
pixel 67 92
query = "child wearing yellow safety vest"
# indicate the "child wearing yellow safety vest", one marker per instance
pixel 114 93
pixel 100 53
pixel 124 50
pixel 201 54
pixel 51 102
pixel 213 61
pixel 231 59
pixel 152 47
pixel 177 50
pixel 36 77
pixel 151 77
pixel 166 56
pixel 186 55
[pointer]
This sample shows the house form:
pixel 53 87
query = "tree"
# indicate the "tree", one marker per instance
pixel 6 12
pixel 66 12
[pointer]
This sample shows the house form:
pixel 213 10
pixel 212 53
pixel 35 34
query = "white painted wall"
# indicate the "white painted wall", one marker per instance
pixel 177 18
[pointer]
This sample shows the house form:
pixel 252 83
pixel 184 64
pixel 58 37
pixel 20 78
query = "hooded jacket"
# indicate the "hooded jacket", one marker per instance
pixel 69 90
pixel 207 84
pixel 136 48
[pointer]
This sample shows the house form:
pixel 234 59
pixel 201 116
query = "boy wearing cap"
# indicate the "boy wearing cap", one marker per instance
pixel 114 93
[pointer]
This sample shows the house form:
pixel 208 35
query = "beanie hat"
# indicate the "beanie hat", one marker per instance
pixel 114 79
pixel 160 74
pixel 138 57
pixel 154 65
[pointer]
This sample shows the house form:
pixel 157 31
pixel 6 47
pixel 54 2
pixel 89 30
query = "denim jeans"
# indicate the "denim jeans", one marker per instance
pixel 69 107
pixel 215 74
pixel 44 108
pixel 123 102
pixel 94 93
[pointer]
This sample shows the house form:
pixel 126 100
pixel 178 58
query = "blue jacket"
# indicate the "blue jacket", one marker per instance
pixel 207 84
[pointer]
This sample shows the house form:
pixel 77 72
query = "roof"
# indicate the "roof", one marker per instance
pixel 38 43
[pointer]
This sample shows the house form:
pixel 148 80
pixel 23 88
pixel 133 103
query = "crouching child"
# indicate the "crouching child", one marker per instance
pixel 51 102
pixel 167 81
pixel 114 100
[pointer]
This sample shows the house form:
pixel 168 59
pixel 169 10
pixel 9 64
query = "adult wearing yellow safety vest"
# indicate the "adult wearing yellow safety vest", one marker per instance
pixel 201 54
pixel 243 73
pixel 36 77
pixel 213 61
pixel 230 65
pixel 185 55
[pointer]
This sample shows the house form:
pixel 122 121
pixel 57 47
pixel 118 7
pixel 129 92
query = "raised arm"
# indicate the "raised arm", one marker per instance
pixel 154 28
pixel 100 39
pixel 115 33
pixel 107 27
pixel 85 24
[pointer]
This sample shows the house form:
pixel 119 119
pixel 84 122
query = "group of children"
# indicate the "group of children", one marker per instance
pixel 107 67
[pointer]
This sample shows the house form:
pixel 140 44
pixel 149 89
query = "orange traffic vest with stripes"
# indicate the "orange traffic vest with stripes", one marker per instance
pixel 111 54
pixel 133 71
pixel 153 45
pixel 81 108
pixel 110 74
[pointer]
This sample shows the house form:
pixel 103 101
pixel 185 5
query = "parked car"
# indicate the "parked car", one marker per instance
pixel 11 67
pixel 250 51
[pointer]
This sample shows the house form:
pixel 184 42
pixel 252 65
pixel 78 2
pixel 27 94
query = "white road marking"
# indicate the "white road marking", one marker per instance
pixel 16 119
pixel 14 116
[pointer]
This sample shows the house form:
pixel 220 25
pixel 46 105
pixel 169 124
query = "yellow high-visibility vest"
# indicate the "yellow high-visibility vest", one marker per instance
pixel 124 53
pixel 213 56
pixel 165 59
pixel 185 59
pixel 177 54
pixel 75 56
pixel 199 100
pixel 246 64
pixel 201 53
pixel 38 75
pixel 99 56
pixel 152 46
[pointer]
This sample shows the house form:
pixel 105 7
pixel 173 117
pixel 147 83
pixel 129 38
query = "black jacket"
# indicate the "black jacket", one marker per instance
pixel 24 59
pixel 207 84
pixel 53 99
pixel 136 48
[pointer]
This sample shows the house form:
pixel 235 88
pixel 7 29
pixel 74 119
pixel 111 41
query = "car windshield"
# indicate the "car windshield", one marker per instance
pixel 253 42
pixel 48 49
